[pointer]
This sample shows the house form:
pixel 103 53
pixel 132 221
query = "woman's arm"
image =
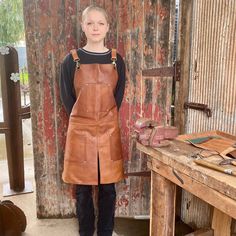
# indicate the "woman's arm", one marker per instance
pixel 120 87
pixel 66 81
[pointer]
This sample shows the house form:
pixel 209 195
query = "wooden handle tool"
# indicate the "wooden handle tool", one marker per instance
pixel 214 166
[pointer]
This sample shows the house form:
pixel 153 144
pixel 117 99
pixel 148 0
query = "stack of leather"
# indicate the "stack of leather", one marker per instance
pixel 12 219
pixel 149 133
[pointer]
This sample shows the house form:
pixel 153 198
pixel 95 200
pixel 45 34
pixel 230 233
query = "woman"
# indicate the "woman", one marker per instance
pixel 92 86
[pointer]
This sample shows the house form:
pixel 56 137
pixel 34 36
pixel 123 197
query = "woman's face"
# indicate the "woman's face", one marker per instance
pixel 95 26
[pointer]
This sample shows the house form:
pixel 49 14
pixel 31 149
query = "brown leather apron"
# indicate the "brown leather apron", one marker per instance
pixel 93 130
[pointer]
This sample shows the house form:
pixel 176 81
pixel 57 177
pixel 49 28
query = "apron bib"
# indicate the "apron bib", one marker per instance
pixel 93 130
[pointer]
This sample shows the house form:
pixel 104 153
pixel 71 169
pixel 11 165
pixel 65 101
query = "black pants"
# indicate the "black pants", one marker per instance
pixel 106 208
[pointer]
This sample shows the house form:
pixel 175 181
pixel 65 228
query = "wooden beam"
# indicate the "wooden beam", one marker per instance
pixel 177 156
pixel 184 48
pixel 221 223
pixel 162 219
pixel 156 72
pixel 212 197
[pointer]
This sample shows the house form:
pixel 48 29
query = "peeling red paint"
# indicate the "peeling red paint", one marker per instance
pixel 43 5
pixel 161 55
pixel 123 201
pixel 162 12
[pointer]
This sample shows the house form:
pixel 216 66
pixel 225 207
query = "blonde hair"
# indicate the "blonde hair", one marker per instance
pixel 95 8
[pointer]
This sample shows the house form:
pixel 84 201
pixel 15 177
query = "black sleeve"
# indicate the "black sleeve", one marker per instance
pixel 66 81
pixel 120 87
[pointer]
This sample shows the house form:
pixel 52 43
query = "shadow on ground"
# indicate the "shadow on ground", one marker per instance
pixel 131 227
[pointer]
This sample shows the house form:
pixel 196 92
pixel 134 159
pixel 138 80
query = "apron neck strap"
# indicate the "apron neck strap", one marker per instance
pixel 113 56
pixel 75 57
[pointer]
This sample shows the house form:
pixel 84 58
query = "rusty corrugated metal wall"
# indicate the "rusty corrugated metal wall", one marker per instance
pixel 213 71
pixel 212 81
pixel 143 33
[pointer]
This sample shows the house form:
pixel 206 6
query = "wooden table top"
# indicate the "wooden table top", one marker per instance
pixel 179 157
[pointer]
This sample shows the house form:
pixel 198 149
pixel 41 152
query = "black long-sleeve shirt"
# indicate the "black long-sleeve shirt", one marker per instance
pixel 66 82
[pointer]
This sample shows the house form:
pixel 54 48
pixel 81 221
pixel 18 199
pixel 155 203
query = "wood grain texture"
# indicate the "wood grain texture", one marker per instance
pixel 221 223
pixel 177 156
pixel 193 178
pixel 162 218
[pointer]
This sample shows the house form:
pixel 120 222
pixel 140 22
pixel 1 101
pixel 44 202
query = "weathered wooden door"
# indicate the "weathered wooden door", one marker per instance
pixel 146 35
pixel 143 32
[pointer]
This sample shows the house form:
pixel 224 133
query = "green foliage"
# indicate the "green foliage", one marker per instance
pixel 11 21
pixel 24 77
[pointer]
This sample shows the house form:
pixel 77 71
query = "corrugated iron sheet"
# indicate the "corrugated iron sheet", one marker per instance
pixel 212 81
pixel 213 60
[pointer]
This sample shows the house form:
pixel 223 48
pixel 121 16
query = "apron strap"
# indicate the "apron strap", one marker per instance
pixel 114 57
pixel 75 58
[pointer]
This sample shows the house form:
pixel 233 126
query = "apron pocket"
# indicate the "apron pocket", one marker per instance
pixel 76 148
pixel 115 146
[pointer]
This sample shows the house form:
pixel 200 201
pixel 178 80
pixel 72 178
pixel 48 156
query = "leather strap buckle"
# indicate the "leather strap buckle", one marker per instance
pixel 113 57
pixel 75 58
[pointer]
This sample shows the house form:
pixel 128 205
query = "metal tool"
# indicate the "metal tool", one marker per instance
pixel 228 162
pixel 216 167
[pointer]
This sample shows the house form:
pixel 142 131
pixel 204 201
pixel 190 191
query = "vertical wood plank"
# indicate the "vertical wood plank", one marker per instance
pixel 135 108
pixel 221 223
pixel 162 219
pixel 184 47
pixel 124 48
pixel 46 47
pixel 181 91
pixel 113 8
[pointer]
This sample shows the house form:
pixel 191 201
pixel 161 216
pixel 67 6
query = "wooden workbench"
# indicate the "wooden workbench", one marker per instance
pixel 173 165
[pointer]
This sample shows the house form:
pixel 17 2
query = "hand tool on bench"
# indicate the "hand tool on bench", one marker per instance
pixel 228 160
pixel 215 167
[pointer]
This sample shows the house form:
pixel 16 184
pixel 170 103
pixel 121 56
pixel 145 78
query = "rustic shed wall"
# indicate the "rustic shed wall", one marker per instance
pixel 208 52
pixel 143 33
pixel 212 68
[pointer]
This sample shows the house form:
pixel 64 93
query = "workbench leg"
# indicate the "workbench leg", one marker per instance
pixel 221 223
pixel 162 215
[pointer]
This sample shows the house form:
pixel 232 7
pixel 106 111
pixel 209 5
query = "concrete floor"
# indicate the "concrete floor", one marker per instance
pixel 59 227
pixel 27 202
